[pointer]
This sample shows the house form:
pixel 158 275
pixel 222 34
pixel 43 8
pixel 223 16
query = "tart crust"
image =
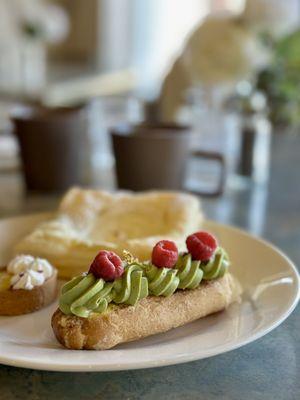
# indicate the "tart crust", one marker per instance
pixel 22 301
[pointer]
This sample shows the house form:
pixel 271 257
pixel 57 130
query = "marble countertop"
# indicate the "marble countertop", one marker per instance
pixel 266 369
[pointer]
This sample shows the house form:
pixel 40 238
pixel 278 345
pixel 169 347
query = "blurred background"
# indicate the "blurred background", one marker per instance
pixel 195 92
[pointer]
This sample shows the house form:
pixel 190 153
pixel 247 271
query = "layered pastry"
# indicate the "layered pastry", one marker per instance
pixel 26 285
pixel 119 301
pixel 89 219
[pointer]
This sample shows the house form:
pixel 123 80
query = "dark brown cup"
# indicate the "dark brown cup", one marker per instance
pixel 50 144
pixel 156 157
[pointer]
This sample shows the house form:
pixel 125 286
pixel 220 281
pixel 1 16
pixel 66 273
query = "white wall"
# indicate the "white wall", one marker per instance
pixel 159 30
pixel 145 35
pixel 114 34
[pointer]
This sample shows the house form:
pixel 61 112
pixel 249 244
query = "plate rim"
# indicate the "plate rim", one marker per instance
pixel 179 359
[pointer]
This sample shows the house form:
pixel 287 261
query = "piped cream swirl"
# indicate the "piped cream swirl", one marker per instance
pixel 190 273
pixel 28 271
pixel 132 286
pixel 162 281
pixel 86 294
pixel 216 266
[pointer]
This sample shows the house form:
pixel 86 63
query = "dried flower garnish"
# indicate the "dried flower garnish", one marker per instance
pixel 129 258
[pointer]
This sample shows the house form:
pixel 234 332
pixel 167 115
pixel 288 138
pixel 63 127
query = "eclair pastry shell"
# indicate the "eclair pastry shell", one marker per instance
pixel 152 315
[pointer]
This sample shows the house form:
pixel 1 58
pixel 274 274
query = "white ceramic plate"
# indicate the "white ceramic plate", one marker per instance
pixel 271 292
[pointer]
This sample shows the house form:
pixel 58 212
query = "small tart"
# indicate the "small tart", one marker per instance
pixel 22 301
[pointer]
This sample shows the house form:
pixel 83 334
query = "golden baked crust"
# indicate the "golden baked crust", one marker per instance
pixel 21 301
pixel 150 316
pixel 90 220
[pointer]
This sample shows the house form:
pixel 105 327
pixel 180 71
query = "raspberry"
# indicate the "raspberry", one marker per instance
pixel 201 245
pixel 165 254
pixel 107 265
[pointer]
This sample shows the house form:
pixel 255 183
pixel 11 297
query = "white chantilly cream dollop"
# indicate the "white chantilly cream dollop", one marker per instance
pixel 29 271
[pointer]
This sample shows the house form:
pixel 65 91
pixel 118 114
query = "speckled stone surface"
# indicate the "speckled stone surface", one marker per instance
pixel 266 369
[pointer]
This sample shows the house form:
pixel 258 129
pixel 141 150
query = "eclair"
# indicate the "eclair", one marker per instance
pixel 118 301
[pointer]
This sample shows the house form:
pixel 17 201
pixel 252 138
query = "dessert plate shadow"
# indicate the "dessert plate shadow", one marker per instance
pixel 271 292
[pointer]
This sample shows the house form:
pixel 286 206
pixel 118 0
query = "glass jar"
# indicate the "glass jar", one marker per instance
pixel 214 128
pixel 243 138
pixel 254 156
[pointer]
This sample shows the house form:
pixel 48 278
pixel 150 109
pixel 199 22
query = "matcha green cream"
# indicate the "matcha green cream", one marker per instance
pixel 216 266
pixel 162 281
pixel 85 294
pixel 132 286
pixel 190 273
